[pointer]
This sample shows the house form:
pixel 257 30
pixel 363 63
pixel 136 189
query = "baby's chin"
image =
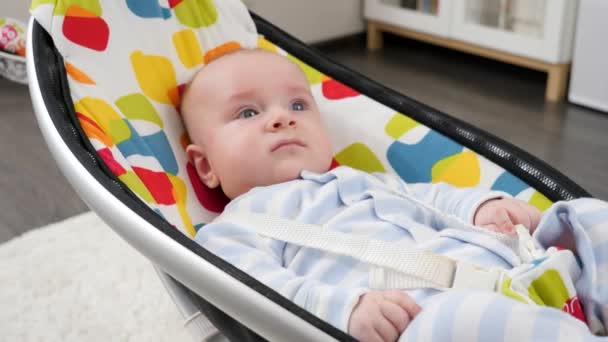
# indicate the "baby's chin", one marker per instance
pixel 286 173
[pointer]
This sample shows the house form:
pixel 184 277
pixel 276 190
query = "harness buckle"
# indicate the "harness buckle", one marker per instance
pixel 468 276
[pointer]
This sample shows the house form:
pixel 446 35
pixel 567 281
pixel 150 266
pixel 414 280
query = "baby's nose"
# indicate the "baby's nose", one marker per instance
pixel 282 119
pixel 281 123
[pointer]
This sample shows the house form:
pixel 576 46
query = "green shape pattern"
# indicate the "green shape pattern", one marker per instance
pixel 549 289
pixel 399 125
pixel 196 13
pixel 360 157
pixel 136 185
pixel 36 3
pixel 138 107
pixel 62 6
pixel 312 75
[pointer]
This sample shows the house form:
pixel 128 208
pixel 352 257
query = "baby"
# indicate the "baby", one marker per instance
pixel 254 123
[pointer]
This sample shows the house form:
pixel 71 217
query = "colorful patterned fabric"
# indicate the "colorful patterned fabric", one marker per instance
pixel 549 280
pixel 128 61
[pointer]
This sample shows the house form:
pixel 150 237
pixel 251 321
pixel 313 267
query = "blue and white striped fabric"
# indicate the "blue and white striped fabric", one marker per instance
pixel 378 206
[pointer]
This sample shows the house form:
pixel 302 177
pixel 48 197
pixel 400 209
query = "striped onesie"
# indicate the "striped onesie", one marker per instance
pixel 436 217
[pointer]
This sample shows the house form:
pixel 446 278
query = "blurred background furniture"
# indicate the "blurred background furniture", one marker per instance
pixel 18 9
pixel 12 50
pixel 312 21
pixel 536 34
pixel 12 65
pixel 588 84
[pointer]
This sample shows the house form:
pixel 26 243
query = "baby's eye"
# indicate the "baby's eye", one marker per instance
pixel 248 113
pixel 298 106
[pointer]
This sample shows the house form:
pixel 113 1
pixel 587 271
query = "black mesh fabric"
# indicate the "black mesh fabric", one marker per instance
pixel 54 87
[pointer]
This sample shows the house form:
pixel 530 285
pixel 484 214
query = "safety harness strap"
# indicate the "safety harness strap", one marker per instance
pixel 398 266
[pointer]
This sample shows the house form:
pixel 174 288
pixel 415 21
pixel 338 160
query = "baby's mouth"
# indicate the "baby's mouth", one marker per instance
pixel 287 142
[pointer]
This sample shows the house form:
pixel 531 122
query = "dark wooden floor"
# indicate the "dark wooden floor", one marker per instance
pixel 505 100
pixel 32 190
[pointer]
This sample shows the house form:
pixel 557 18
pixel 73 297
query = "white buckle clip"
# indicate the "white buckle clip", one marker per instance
pixel 527 251
pixel 468 276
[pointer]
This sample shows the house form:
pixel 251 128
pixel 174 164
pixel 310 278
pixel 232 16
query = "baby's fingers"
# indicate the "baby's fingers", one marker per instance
pixel 503 221
pixel 386 329
pixel 396 315
pixel 404 301
pixel 532 215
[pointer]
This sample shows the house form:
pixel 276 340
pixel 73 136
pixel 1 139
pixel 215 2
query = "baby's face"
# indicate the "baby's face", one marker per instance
pixel 253 122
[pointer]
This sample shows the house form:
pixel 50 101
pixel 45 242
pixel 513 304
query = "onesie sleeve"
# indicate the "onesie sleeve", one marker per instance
pixel 445 199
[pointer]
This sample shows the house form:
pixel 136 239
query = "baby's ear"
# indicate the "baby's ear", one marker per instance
pixel 196 155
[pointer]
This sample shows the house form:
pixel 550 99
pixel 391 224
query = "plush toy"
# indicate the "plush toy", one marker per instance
pixel 12 36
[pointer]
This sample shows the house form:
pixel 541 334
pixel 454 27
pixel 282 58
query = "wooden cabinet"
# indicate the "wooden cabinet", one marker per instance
pixel 536 34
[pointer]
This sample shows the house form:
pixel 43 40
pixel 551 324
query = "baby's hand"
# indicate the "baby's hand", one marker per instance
pixel 382 316
pixel 502 215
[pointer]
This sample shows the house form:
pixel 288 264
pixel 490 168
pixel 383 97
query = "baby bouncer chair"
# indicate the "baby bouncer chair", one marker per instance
pixel 105 79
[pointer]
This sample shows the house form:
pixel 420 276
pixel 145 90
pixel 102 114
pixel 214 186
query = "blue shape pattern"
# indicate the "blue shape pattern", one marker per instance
pixel 148 9
pixel 413 163
pixel 154 145
pixel 197 227
pixel 510 184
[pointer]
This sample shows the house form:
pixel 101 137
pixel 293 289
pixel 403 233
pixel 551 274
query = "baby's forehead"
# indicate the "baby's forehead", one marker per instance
pixel 246 54
pixel 245 63
pixel 249 60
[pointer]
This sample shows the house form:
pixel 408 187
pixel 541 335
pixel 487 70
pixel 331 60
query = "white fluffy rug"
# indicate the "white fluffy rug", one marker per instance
pixel 76 280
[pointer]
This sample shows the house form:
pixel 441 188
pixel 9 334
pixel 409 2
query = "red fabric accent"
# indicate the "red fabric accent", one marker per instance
pixel 334 164
pixel 90 32
pixel 158 184
pixel 180 92
pixel 574 308
pixel 109 160
pixel 181 88
pixel 173 3
pixel 213 200
pixel 335 90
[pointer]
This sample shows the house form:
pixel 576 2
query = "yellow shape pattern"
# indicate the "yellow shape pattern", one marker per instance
pixel 264 44
pixel 359 156
pixel 505 289
pixel 312 75
pixel 180 195
pixel 459 170
pixel 540 201
pixel 134 183
pixel 549 289
pixel 105 116
pixel 188 49
pixel 156 76
pixel 399 125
